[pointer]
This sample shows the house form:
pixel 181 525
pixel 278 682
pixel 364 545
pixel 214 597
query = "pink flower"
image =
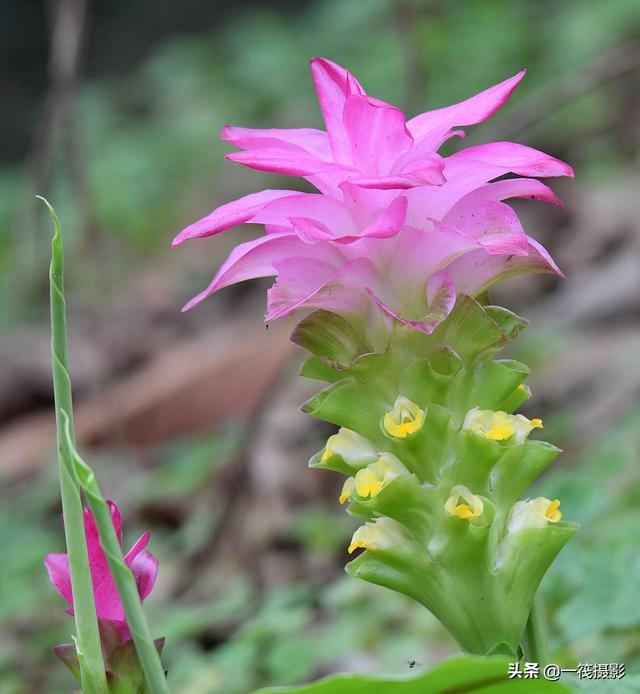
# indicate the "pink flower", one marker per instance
pixel 142 563
pixel 396 230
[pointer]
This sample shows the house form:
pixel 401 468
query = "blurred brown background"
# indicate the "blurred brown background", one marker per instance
pixel 111 110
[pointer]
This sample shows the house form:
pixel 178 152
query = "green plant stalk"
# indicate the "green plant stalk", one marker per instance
pixel 124 579
pixel 535 633
pixel 75 473
pixel 92 671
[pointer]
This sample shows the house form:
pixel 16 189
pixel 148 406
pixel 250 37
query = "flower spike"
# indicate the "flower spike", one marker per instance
pixel 386 263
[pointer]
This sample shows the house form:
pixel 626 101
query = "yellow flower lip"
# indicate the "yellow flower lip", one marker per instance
pixel 355 544
pixel 500 426
pixel 403 419
pixel 347 489
pixel 367 483
pixel 463 503
pixel 354 449
pixel 553 514
pixel 500 432
pixel 534 513
pixel 380 534
pixel 372 479
pixel 463 511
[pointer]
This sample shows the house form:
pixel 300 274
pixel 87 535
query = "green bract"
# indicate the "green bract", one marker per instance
pixel 444 524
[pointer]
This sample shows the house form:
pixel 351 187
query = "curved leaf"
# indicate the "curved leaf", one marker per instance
pixel 462 674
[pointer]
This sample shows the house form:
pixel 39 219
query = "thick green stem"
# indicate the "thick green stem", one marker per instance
pixel 535 633
pixel 88 646
pixel 124 579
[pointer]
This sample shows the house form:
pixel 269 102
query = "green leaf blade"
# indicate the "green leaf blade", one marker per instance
pixel 461 674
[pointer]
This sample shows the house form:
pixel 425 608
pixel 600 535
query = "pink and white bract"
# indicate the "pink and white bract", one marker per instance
pixel 142 563
pixel 396 230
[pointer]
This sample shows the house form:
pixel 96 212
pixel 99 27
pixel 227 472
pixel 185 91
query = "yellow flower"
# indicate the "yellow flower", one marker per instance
pixel 347 489
pixel 404 419
pixel 463 503
pixel 371 479
pixel 534 513
pixel 552 512
pixel 355 450
pixel 380 534
pixel 500 426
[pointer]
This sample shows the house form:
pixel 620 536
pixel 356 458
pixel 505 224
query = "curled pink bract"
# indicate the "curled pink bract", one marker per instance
pixel 392 218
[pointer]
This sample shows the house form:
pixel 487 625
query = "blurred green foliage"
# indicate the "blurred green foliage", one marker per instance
pixel 589 592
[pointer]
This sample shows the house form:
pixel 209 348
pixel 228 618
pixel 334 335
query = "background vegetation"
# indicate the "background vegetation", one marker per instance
pixel 191 420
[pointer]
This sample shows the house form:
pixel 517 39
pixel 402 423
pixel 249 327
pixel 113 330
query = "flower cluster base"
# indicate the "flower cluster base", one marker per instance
pixel 436 466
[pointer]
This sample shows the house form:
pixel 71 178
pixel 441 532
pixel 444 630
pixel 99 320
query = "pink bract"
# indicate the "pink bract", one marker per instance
pixel 142 563
pixel 396 231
